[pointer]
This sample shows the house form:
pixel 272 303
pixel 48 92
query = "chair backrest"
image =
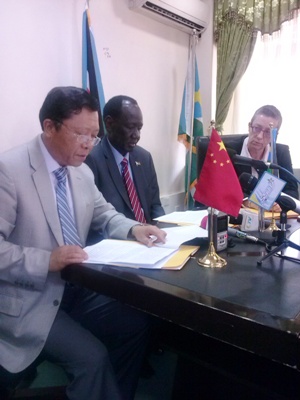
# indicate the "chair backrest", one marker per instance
pixel 234 142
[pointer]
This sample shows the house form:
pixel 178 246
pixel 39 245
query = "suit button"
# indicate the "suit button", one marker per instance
pixel 55 303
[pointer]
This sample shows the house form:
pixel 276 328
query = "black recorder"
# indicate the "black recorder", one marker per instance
pixel 219 231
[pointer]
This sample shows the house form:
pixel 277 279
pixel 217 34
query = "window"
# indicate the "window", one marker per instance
pixel 272 77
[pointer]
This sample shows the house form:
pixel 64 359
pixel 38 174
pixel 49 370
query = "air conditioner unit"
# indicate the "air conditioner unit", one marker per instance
pixel 185 15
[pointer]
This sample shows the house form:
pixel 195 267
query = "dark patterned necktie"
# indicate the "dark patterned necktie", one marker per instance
pixel 132 194
pixel 67 222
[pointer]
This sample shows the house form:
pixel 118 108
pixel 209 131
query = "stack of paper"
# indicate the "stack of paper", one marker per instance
pixel 127 253
pixel 184 217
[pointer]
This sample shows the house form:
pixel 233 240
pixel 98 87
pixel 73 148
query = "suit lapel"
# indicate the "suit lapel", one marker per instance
pixel 44 189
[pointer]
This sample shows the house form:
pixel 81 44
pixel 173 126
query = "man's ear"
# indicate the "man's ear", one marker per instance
pixel 109 121
pixel 249 126
pixel 49 127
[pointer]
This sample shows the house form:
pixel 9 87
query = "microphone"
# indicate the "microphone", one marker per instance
pixel 236 220
pixel 244 235
pixel 247 219
pixel 248 182
pixel 257 164
pixel 250 162
pixel 286 202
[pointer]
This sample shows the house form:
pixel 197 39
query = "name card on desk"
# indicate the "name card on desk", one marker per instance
pixel 267 190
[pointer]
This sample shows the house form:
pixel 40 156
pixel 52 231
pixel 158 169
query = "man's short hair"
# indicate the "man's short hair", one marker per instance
pixel 63 102
pixel 114 106
pixel 269 111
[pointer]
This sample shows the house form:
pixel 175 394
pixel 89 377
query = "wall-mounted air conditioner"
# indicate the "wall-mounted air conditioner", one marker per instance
pixel 185 15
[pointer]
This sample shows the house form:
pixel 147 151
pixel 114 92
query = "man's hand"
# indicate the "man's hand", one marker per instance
pixel 64 255
pixel 148 234
pixel 276 207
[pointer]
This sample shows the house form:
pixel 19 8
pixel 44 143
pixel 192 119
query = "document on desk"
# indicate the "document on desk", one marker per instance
pixel 184 217
pixel 129 253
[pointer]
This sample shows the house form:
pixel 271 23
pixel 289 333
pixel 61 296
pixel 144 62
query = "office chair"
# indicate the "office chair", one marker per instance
pixel 234 142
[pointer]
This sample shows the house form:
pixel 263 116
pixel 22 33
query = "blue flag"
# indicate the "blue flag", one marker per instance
pixel 190 127
pixel 91 78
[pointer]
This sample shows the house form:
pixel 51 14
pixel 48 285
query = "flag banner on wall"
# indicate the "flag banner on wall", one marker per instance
pixel 218 185
pixel 190 127
pixel 91 78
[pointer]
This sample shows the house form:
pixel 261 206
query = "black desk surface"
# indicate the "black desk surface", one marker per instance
pixel 254 308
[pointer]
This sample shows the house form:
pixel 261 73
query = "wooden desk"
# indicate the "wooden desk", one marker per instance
pixel 250 309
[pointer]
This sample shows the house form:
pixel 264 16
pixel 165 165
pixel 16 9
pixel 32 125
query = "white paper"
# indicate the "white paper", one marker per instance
pixel 184 217
pixel 123 252
pixel 131 253
pixel 180 234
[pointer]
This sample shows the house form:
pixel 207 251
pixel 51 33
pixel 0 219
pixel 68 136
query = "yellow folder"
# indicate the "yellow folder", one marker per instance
pixel 180 258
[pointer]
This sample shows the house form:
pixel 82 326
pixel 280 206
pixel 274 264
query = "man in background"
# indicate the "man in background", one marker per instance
pixel 118 159
pixel 125 174
pixel 48 204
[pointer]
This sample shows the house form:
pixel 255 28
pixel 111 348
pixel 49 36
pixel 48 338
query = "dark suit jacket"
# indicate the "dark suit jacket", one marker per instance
pixel 284 160
pixel 109 180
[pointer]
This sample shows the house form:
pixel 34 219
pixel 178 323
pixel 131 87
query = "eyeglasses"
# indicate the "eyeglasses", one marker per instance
pixel 82 139
pixel 257 129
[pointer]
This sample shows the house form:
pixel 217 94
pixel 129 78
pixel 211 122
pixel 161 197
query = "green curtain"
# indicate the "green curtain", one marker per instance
pixel 236 23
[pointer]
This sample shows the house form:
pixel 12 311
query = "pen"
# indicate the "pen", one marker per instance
pixel 152 238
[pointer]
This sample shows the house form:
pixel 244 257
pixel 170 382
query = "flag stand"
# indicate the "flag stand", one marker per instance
pixel 211 259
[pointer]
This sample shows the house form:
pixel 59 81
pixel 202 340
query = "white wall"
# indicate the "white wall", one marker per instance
pixel 40 44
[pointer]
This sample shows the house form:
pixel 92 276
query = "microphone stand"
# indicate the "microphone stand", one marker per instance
pixel 273 227
pixel 261 219
pixel 281 241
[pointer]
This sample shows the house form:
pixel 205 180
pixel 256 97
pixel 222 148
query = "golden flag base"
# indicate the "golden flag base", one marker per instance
pixel 211 259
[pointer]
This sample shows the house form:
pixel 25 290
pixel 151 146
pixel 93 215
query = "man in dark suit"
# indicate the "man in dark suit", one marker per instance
pixel 123 122
pixel 257 146
pixel 98 341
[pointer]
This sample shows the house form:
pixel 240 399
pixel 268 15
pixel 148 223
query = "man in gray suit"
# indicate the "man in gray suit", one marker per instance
pixel 99 342
pixel 123 122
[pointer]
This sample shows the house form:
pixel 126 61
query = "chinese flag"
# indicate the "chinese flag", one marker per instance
pixel 218 185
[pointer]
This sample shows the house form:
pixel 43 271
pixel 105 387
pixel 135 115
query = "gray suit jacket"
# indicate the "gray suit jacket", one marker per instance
pixel 29 230
pixel 109 180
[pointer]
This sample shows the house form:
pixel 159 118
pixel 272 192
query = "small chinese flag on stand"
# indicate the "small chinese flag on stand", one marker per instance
pixel 218 185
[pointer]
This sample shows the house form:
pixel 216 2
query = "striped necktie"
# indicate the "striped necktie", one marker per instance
pixel 132 194
pixel 67 223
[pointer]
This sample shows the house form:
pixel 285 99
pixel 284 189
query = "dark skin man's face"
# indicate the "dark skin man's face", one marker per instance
pixel 125 132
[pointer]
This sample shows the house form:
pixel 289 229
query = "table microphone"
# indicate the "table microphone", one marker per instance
pixel 250 162
pixel 257 164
